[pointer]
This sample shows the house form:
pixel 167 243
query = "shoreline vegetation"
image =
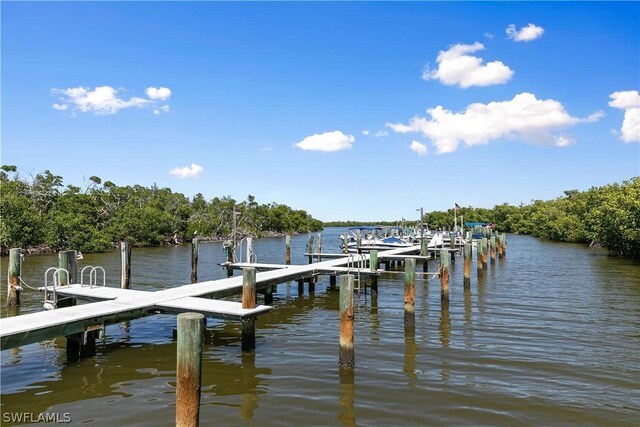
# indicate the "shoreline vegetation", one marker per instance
pixel 42 215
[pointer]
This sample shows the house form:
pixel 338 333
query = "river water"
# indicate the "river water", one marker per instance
pixel 548 336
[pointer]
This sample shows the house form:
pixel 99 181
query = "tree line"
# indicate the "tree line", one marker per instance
pixel 42 214
pixel 608 216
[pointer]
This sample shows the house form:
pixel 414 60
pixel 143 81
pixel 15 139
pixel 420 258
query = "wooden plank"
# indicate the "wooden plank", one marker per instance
pixel 212 308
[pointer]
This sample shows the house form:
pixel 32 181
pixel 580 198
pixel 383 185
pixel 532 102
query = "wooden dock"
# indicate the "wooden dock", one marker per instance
pixel 110 305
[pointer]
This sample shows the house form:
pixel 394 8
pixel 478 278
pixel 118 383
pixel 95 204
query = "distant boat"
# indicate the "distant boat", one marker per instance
pixel 367 237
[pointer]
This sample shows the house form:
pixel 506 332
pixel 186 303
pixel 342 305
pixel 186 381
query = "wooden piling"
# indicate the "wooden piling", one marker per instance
pixel 194 260
pixel 503 245
pixel 485 244
pixel 287 249
pixel 492 248
pixel 424 251
pixel 409 290
pixel 310 248
pixel 319 247
pixel 332 283
pixel 67 261
pixel 13 278
pixel 249 249
pixel 467 265
pixel 229 249
pixel 125 265
pixel 345 243
pixel 248 301
pixel 347 354
pixel 373 266
pixel 444 276
pixel 479 255
pixel 191 328
pixel 300 287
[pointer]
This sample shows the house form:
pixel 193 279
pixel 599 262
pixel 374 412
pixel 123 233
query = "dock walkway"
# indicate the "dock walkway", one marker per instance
pixel 111 305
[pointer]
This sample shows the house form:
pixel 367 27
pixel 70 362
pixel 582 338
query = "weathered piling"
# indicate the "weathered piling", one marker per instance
pixel 503 245
pixel 229 247
pixel 358 240
pixel 249 249
pixel 125 260
pixel 444 276
pixel 485 244
pixel 67 261
pixel 409 290
pixel 332 282
pixel 424 251
pixel 194 260
pixel 347 354
pixel 319 251
pixel 479 266
pixel 287 249
pixel 492 248
pixel 467 265
pixel 248 301
pixel 345 243
pixel 191 328
pixel 373 266
pixel 452 245
pixel 310 248
pixel 13 277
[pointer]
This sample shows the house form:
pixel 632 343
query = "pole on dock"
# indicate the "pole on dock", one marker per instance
pixel 319 247
pixel 310 248
pixel 347 354
pixel 287 249
pixel 191 328
pixel 125 263
pixel 13 278
pixel 479 255
pixel 345 242
pixel 444 276
pixel 409 291
pixel 194 260
pixel 229 248
pixel 67 261
pixel 373 266
pixel 467 265
pixel 249 301
pixel 249 249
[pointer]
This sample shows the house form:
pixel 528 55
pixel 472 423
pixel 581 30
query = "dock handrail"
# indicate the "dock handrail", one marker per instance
pixel 50 304
pixel 93 276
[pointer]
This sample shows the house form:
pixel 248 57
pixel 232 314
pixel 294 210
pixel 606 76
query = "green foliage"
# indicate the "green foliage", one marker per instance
pixel 39 212
pixel 608 215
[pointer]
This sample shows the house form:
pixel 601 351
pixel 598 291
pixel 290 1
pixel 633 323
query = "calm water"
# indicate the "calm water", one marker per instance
pixel 550 336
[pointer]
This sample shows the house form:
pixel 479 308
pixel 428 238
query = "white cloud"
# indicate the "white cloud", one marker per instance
pixel 489 36
pixel 523 118
pixel 365 132
pixel 100 101
pixel 526 34
pixel 457 67
pixel 163 109
pixel 105 100
pixel 629 101
pixel 418 147
pixel 326 142
pixel 265 149
pixel 161 93
pixel 193 171
pixel 381 133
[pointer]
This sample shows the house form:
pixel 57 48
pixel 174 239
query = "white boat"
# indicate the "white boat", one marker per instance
pixel 367 237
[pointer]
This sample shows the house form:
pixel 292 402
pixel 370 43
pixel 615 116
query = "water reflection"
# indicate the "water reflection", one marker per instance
pixel 347 414
pixel 468 326
pixel 374 320
pixel 445 325
pixel 410 350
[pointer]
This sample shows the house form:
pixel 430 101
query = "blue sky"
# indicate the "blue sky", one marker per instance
pixel 364 110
